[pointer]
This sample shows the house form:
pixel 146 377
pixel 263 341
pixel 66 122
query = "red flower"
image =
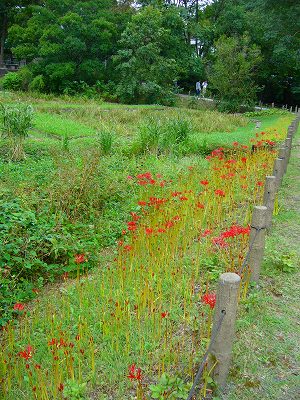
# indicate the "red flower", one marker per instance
pixel 220 192
pixel 27 353
pixel 148 231
pixel 164 314
pixel 79 258
pixel 259 183
pixel 129 177
pixel 134 373
pixel 200 205
pixel 244 159
pixel 183 198
pixel 204 183
pixel 19 307
pixel 61 387
pixel 142 203
pixel 209 299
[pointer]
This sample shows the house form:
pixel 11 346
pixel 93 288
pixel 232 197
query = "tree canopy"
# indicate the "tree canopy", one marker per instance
pixel 135 51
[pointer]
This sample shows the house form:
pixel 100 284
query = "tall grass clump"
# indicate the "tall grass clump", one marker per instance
pixel 149 135
pixel 15 124
pixel 166 135
pixel 105 141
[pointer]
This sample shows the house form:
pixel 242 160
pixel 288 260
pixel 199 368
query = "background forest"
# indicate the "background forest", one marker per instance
pixel 146 51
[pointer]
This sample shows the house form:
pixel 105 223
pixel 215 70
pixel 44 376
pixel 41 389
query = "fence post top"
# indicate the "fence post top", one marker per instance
pixel 260 208
pixel 271 177
pixel 230 277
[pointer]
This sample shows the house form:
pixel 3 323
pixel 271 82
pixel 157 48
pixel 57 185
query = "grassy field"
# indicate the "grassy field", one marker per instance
pixel 123 190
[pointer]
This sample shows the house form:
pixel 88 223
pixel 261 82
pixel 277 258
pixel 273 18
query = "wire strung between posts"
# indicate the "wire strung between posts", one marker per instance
pixel 257 230
pixel 212 341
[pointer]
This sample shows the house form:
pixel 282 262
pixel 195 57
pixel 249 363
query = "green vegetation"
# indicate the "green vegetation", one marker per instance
pixel 89 169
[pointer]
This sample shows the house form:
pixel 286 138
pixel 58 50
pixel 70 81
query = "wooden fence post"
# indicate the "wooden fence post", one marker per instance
pixel 288 146
pixel 278 171
pixel 227 300
pixel 257 241
pixel 269 198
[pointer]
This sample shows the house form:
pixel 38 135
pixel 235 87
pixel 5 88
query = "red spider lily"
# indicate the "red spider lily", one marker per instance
pixel 259 183
pixel 206 233
pixel 131 225
pixel 142 203
pixel 220 193
pixel 244 160
pixel 204 183
pixel 161 230
pixel 129 177
pixel 219 241
pixel 134 373
pixel 235 143
pixel 128 247
pixel 19 307
pixel 79 258
pixel 135 216
pixel 209 299
pixel 169 224
pixel 200 205
pixel 164 314
pixel 27 353
pixel 60 387
pixel 148 231
pixel 183 198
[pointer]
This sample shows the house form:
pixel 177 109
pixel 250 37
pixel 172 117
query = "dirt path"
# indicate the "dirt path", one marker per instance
pixel 266 363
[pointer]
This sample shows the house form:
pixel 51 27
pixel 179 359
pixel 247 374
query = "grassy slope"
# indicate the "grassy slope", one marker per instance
pixel 267 356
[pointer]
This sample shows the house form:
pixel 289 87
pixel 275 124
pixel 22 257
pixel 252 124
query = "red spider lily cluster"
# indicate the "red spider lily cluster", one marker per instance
pixel 209 299
pixel 232 232
pixel 19 307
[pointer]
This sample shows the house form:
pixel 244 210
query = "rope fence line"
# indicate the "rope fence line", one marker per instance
pixel 205 357
pixel 229 283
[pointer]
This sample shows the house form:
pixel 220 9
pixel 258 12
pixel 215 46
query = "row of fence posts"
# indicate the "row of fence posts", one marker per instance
pixel 220 349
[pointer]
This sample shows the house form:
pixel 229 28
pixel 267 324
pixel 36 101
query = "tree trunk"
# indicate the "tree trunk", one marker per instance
pixel 3 37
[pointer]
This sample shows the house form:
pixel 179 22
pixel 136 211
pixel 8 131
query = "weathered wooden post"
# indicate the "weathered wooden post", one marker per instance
pixel 269 198
pixel 278 171
pixel 257 241
pixel 291 109
pixel 227 301
pixel 288 146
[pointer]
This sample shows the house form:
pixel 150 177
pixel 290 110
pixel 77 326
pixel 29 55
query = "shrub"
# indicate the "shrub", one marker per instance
pixel 12 81
pixel 37 84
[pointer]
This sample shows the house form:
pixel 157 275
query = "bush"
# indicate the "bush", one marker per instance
pixel 12 81
pixel 37 84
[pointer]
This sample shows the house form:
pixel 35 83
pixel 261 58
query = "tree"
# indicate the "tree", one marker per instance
pixel 232 73
pixel 9 12
pixel 68 42
pixel 146 59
